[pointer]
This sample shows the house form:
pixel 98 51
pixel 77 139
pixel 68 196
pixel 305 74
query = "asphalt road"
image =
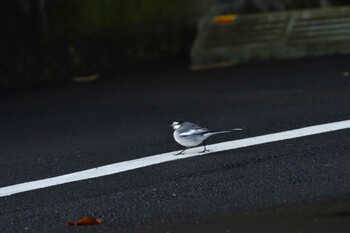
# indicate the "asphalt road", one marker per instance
pixel 298 185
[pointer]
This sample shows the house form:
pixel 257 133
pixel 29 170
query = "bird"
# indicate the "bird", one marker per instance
pixel 189 135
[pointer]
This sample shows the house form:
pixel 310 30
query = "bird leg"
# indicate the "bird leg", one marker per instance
pixel 205 148
pixel 181 152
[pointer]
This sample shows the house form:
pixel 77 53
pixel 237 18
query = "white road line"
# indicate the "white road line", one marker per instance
pixel 167 157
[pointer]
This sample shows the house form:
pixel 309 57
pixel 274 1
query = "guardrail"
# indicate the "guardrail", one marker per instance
pixel 266 36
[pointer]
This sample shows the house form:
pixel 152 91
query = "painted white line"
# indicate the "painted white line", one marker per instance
pixel 167 157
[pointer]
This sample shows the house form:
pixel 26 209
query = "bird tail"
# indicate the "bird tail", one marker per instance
pixel 236 129
pixel 210 133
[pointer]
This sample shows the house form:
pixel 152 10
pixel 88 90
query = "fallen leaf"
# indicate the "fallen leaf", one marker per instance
pixel 225 19
pixel 70 223
pixel 99 220
pixel 88 78
pixel 88 220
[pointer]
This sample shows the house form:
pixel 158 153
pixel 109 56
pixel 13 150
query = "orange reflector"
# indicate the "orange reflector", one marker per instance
pixel 225 18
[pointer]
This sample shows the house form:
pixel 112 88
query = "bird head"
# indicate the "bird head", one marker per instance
pixel 176 124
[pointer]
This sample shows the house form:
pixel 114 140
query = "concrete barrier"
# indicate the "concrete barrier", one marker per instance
pixel 271 35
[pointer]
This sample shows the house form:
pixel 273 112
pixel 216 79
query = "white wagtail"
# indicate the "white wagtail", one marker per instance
pixel 190 135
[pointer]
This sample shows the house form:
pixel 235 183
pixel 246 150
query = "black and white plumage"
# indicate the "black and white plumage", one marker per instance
pixel 190 135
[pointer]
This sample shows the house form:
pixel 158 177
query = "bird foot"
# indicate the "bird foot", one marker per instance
pixel 180 153
pixel 203 151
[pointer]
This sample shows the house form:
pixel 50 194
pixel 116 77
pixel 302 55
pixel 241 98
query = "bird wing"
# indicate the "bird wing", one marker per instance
pixel 196 131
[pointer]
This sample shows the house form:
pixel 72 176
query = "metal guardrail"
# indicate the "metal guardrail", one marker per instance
pixel 272 35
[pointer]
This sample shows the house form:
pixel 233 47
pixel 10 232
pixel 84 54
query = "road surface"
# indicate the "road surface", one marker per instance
pixel 296 185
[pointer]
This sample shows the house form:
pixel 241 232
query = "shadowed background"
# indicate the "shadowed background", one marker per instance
pixel 49 41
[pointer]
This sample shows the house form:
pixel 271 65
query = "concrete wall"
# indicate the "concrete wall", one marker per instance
pixel 273 35
pixel 258 6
